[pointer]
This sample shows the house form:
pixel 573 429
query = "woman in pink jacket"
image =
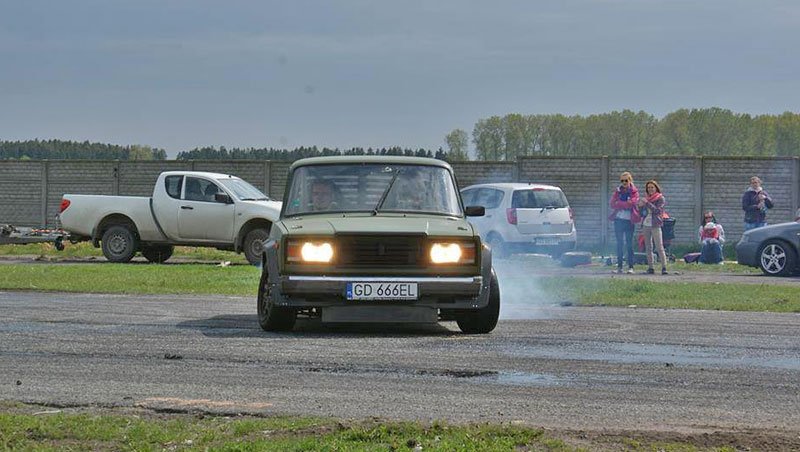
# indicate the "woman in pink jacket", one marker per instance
pixel 625 215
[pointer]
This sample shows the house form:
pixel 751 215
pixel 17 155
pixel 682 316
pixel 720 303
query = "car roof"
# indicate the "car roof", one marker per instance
pixel 201 174
pixel 514 186
pixel 388 159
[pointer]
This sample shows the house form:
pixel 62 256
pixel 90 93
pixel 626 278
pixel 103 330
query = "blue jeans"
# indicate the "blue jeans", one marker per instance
pixel 623 230
pixel 711 252
pixel 749 226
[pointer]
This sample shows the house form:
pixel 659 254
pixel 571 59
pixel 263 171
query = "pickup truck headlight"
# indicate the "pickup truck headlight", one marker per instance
pixel 307 251
pixel 452 253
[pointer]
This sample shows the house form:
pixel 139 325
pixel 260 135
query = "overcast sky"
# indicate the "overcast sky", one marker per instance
pixel 178 74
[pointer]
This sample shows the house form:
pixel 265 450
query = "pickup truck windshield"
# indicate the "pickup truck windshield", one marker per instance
pixel 359 188
pixel 243 190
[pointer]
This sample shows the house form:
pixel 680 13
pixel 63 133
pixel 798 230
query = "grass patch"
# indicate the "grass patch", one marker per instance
pixel 20 429
pixel 86 250
pixel 676 295
pixel 133 278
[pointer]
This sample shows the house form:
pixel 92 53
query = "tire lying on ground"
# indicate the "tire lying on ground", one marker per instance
pixel 573 258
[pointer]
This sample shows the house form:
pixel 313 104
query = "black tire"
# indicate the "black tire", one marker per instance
pixel 484 320
pixel 253 245
pixel 119 244
pixel 776 258
pixel 271 317
pixel 575 258
pixel 158 254
pixel 499 249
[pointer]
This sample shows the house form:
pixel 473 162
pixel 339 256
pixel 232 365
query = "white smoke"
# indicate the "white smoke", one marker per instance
pixel 521 294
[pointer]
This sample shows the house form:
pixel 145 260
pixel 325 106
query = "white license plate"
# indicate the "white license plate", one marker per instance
pixel 547 241
pixel 381 291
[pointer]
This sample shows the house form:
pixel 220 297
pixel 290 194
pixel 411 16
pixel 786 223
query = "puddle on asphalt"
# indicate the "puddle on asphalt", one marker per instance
pixel 655 353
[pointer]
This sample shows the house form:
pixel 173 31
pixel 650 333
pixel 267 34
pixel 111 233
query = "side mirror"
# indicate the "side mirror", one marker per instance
pixel 222 198
pixel 475 211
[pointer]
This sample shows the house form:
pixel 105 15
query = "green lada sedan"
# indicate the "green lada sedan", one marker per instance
pixel 376 239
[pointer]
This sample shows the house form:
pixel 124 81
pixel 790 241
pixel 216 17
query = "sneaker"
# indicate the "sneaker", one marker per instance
pixel 630 271
pixel 650 271
pixel 664 271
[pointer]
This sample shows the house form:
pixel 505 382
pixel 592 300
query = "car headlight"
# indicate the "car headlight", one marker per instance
pixel 452 253
pixel 307 251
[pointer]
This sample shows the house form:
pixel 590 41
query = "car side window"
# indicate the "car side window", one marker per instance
pixel 489 198
pixel 173 186
pixel 467 196
pixel 200 189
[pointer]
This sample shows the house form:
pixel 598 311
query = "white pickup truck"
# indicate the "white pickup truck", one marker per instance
pixel 187 208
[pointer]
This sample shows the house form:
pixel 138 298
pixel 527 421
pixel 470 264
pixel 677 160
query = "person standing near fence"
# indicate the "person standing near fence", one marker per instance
pixel 652 205
pixel 755 202
pixel 624 215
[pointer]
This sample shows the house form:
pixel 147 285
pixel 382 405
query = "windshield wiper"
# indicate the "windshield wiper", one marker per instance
pixel 547 208
pixel 254 199
pixel 386 192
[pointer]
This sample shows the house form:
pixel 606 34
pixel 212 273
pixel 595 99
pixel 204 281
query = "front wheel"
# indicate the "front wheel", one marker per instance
pixel 483 320
pixel 271 317
pixel 776 258
pixel 119 244
pixel 254 245
pixel 158 254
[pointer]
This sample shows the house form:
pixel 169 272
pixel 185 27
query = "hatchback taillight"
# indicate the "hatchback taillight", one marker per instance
pixel 571 214
pixel 64 204
pixel 511 216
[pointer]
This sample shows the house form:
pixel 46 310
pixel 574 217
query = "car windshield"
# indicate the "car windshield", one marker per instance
pixel 538 198
pixel 372 188
pixel 243 190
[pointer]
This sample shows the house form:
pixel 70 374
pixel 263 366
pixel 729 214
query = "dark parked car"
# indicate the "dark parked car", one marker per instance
pixel 774 249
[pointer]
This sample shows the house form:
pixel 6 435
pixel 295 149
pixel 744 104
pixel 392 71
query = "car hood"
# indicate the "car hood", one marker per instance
pixel 270 205
pixel 399 225
pixel 774 229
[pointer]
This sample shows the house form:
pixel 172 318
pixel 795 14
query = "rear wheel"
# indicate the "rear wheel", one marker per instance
pixel 119 244
pixel 484 320
pixel 158 254
pixel 271 317
pixel 776 258
pixel 254 245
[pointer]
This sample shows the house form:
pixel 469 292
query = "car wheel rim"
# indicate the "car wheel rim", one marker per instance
pixel 773 258
pixel 117 244
pixel 256 246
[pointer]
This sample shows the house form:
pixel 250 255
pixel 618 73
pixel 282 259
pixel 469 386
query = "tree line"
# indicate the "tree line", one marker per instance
pixel 706 131
pixel 222 153
pixel 69 150
pixel 684 132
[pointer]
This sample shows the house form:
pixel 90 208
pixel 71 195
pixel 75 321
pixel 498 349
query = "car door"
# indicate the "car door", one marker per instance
pixel 491 200
pixel 200 217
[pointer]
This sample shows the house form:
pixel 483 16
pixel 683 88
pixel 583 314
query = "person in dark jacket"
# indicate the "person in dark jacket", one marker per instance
pixel 625 215
pixel 755 202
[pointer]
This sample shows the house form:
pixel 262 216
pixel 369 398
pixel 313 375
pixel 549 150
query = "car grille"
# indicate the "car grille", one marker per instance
pixel 379 251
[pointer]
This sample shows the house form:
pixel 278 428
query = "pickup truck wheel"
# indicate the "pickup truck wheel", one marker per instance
pixel 158 254
pixel 483 320
pixel 271 317
pixel 119 244
pixel 254 245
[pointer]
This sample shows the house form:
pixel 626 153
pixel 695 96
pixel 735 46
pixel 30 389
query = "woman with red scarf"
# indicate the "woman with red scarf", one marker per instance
pixel 652 207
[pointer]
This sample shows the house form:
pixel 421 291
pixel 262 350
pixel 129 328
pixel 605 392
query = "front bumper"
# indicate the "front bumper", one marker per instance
pixel 747 253
pixel 446 292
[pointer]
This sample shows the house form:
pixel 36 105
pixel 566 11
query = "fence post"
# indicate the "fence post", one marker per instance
pixel 267 177
pixel 795 187
pixel 45 191
pixel 515 170
pixel 604 190
pixel 698 192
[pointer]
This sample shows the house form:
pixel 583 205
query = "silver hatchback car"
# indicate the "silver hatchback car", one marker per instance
pixel 523 218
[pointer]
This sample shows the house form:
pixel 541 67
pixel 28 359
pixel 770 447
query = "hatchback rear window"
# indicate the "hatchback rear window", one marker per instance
pixel 538 199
